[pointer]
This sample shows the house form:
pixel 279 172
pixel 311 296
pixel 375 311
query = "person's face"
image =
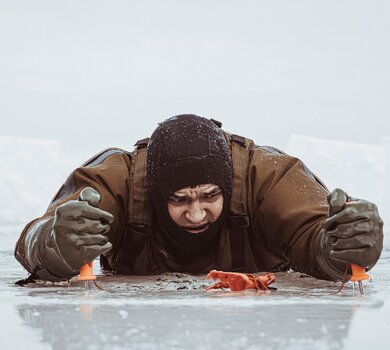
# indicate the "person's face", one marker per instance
pixel 194 209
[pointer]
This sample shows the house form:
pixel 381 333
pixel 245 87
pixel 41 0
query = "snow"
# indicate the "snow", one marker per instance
pixel 385 142
pixel 32 172
pixel 172 311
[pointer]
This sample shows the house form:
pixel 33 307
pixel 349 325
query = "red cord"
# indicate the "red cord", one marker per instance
pixel 343 281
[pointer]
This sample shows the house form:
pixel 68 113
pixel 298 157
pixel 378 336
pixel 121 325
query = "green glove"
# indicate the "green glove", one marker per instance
pixel 57 247
pixel 79 229
pixel 353 234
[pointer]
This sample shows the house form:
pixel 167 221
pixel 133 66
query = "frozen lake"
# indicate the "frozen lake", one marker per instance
pixel 172 311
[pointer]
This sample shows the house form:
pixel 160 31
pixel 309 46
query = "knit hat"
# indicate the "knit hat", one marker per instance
pixel 187 150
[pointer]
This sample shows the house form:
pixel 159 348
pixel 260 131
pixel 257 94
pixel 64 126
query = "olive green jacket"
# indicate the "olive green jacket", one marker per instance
pixel 286 206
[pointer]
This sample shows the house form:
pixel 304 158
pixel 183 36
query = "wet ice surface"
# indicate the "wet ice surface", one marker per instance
pixel 172 311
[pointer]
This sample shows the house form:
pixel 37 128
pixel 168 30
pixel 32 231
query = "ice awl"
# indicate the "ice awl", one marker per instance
pixel 359 275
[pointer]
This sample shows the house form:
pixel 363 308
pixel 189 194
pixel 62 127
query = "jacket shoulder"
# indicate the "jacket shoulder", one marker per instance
pixel 273 160
pixel 117 155
pixel 103 155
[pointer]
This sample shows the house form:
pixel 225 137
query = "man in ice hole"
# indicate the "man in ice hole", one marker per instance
pixel 194 198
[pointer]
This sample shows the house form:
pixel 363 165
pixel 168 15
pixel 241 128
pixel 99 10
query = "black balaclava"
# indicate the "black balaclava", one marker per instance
pixel 187 150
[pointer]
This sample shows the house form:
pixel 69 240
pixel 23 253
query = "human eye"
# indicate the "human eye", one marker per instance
pixel 177 199
pixel 213 195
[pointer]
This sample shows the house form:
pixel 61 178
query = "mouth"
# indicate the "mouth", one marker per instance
pixel 197 229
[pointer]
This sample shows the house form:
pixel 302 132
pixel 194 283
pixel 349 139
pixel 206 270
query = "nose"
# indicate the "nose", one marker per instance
pixel 195 213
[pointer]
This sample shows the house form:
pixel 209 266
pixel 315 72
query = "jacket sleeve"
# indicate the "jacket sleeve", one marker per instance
pixel 289 205
pixel 108 173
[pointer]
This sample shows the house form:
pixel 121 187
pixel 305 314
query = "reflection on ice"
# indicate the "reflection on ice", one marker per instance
pixel 156 312
pixel 166 327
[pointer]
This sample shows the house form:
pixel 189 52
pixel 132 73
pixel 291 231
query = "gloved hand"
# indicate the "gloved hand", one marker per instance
pixel 353 233
pixel 79 229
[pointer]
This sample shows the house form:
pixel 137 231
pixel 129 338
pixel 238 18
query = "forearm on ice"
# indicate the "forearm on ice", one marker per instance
pixel 310 254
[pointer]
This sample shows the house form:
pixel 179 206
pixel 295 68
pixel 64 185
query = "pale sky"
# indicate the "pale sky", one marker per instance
pixel 94 73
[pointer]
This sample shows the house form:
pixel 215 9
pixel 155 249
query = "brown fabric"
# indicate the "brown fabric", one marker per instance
pixel 286 208
pixel 139 211
pixel 241 149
